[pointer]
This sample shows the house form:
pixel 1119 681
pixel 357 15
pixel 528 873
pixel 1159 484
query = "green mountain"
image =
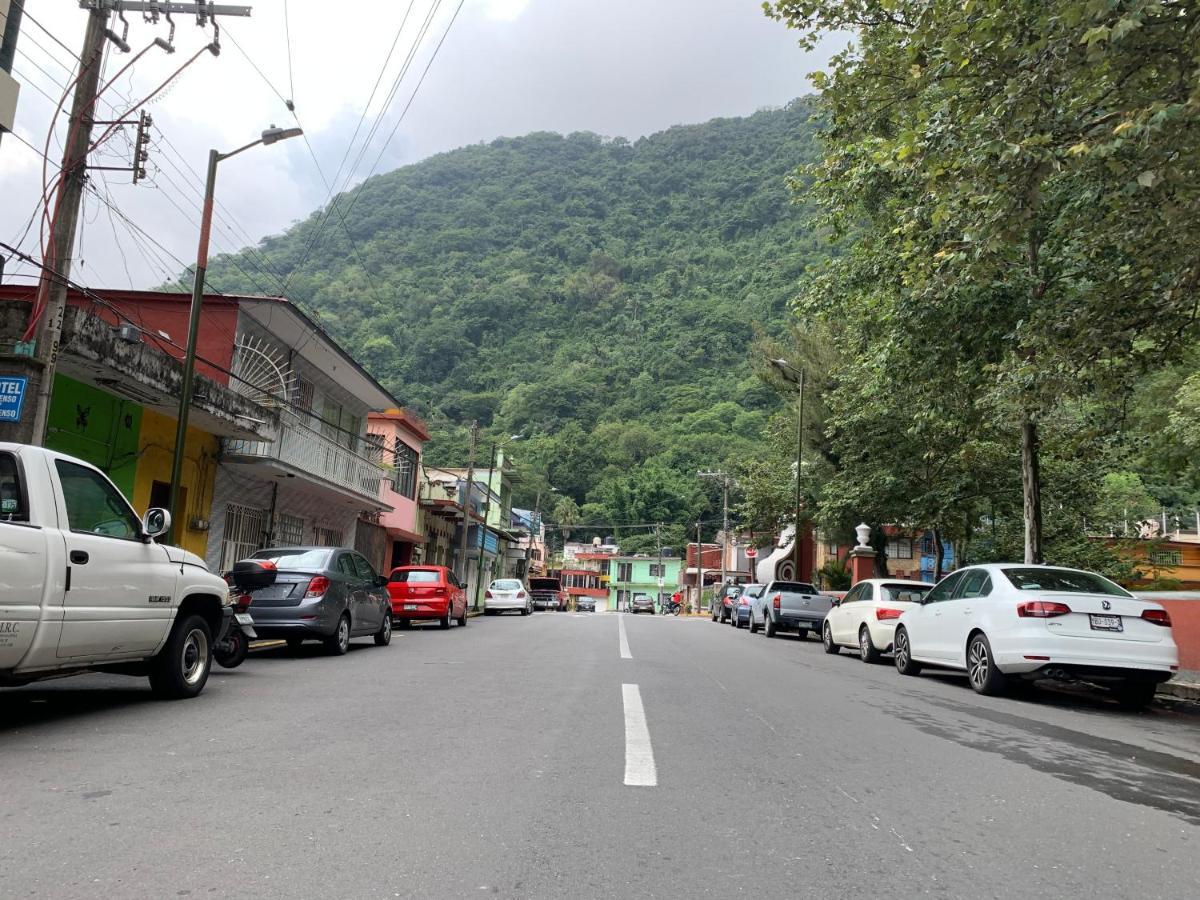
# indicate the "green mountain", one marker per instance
pixel 599 297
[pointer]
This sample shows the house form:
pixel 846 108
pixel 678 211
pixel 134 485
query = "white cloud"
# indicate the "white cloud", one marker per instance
pixel 621 67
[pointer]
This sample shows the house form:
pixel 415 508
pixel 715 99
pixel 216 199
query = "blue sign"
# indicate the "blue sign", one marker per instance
pixel 12 397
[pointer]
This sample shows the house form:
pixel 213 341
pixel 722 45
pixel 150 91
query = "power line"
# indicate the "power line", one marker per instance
pixel 287 36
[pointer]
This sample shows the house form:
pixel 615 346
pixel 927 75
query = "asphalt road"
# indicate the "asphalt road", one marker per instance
pixel 493 759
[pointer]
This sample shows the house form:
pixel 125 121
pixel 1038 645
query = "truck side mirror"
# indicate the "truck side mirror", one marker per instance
pixel 156 522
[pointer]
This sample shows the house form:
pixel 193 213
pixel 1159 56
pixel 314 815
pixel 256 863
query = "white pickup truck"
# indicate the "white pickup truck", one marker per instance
pixel 85 587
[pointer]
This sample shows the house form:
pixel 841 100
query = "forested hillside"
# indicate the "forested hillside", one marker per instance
pixel 599 297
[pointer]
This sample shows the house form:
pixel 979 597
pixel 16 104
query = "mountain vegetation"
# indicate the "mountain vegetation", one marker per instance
pixel 598 297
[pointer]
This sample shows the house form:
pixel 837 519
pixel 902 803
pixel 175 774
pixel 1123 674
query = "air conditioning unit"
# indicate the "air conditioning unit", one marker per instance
pixel 129 333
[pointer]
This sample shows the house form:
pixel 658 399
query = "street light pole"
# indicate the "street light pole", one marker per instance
pixel 269 136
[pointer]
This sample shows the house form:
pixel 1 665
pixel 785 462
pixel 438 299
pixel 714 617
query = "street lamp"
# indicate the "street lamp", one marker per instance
pixel 271 135
pixel 795 377
pixel 487 509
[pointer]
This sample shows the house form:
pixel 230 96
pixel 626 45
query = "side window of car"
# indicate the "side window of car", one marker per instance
pixel 975 584
pixel 944 589
pixel 12 498
pixel 365 572
pixel 345 565
pixel 93 505
pixel 852 594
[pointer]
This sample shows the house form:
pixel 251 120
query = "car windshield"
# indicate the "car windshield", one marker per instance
pixel 904 593
pixel 296 558
pixel 506 584
pixel 415 576
pixel 1063 581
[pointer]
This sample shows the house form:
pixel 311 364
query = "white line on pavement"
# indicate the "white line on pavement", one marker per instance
pixel 625 654
pixel 639 755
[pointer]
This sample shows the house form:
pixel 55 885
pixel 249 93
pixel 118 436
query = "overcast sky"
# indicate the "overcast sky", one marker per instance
pixel 506 67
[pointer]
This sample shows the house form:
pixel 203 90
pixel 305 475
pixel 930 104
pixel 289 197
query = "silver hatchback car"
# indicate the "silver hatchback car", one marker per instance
pixel 329 594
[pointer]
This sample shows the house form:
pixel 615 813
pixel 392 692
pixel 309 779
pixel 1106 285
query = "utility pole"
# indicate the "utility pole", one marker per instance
pixel 57 272
pixel 699 568
pixel 724 476
pixel 661 577
pixel 66 217
pixel 466 502
pixel 487 514
pixel 9 89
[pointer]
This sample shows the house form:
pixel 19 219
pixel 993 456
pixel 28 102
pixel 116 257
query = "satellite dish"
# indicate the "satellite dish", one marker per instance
pixel 262 372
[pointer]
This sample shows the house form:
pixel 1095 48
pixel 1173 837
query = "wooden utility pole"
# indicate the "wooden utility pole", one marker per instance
pixel 66 216
pixel 699 568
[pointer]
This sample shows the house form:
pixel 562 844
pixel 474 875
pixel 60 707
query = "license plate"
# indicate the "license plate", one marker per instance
pixel 243 619
pixel 410 606
pixel 1106 623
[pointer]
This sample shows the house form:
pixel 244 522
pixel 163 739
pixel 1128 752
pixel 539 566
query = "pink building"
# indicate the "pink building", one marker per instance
pixel 400 435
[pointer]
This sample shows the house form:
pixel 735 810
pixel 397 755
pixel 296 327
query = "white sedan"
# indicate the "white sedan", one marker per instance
pixel 866 617
pixel 1002 622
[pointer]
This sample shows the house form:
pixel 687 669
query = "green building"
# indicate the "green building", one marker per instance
pixel 629 575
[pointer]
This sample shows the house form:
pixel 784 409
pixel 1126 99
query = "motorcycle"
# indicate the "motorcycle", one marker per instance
pixel 671 607
pixel 247 576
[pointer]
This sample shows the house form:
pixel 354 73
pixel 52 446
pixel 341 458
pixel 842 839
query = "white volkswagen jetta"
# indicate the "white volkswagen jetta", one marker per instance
pixel 866 617
pixel 1004 621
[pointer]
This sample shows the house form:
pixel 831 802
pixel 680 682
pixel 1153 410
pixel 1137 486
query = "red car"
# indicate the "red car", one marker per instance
pixel 424 593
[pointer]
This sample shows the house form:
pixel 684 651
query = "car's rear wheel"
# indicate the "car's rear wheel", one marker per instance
pixel 462 620
pixel 866 648
pixel 714 615
pixel 444 621
pixel 905 664
pixel 753 624
pixel 527 611
pixel 339 642
pixel 181 669
pixel 982 672
pixel 769 626
pixel 1136 693
pixel 383 636
pixel 827 640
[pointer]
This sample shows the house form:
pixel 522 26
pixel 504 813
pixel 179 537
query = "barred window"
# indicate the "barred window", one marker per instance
pixel 899 548
pixel 405 482
pixel 1166 557
pixel 289 530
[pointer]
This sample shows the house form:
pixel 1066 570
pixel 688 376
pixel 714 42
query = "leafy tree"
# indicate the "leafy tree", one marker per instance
pixel 1025 174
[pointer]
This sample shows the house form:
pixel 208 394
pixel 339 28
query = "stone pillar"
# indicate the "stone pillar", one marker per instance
pixel 862 557
pixel 862 564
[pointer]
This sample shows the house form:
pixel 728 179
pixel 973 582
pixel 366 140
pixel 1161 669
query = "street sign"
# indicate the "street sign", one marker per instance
pixel 12 397
pixel 751 553
pixel 661 582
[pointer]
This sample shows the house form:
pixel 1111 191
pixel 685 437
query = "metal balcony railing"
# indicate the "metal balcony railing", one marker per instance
pixel 310 451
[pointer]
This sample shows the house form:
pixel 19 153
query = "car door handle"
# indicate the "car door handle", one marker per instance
pixel 79 557
pixel 967 611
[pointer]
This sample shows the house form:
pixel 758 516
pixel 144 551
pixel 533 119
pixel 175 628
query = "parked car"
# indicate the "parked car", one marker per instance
pixel 866 616
pixel 585 604
pixel 548 593
pixel 84 585
pixel 427 593
pixel 740 612
pixel 789 606
pixel 1004 622
pixel 330 594
pixel 642 603
pixel 723 602
pixel 506 595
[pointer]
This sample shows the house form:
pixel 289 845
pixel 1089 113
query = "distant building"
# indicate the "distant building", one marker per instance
pixel 631 575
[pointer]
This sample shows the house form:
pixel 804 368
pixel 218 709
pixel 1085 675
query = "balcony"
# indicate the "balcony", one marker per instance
pixel 305 451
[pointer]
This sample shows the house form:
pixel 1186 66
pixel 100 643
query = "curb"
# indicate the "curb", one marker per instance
pixel 1181 690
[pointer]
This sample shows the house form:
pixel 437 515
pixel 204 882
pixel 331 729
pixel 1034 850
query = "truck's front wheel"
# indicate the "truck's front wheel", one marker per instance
pixel 181 669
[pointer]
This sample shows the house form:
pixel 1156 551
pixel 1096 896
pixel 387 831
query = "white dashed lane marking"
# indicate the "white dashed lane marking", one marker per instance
pixel 640 770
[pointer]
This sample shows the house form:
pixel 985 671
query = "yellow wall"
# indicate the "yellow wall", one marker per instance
pixel 156 445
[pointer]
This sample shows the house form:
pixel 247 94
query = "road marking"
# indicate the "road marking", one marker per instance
pixel 624 639
pixel 639 755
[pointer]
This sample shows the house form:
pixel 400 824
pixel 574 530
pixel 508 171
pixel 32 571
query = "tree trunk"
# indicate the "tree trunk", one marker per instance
pixel 938 556
pixel 878 542
pixel 1031 489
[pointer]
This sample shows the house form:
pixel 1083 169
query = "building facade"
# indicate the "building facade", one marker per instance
pixel 642 575
pixel 401 436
